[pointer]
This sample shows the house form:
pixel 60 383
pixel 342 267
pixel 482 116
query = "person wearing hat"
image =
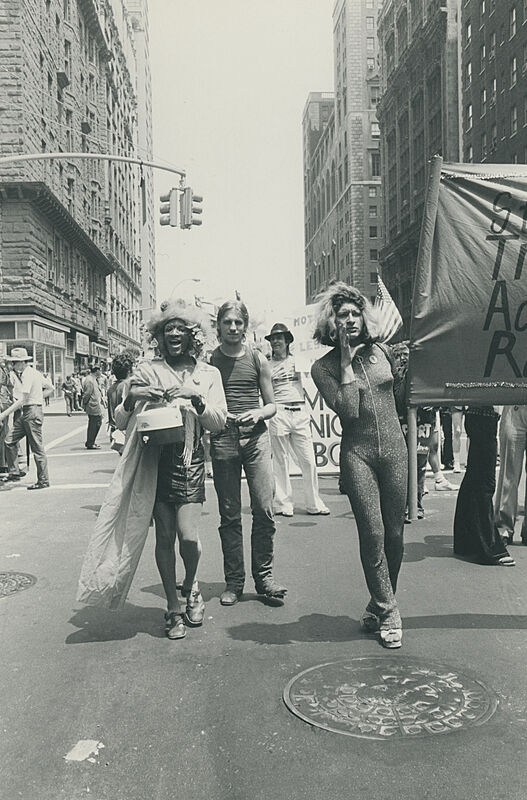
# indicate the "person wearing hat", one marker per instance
pixel 30 389
pixel 290 428
pixel 92 405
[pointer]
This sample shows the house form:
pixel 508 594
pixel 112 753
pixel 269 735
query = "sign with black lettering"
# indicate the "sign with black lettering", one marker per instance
pixel 469 316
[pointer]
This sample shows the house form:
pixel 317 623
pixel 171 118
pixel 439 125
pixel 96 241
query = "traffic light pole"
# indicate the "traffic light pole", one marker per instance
pixel 13 159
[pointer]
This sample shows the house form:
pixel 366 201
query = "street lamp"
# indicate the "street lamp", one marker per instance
pixel 194 280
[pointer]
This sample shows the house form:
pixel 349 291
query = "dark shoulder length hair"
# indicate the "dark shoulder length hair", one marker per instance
pixel 329 303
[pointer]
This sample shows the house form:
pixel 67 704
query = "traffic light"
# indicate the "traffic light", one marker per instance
pixel 189 205
pixel 168 208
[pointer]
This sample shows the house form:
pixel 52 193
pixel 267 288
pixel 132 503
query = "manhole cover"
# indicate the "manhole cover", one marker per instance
pixel 374 698
pixel 11 582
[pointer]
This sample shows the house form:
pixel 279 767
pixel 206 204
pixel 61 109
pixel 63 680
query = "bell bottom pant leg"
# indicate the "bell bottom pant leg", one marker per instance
pixel 363 490
pixel 257 465
pixel 512 449
pixel 302 445
pixel 282 482
pixel 227 472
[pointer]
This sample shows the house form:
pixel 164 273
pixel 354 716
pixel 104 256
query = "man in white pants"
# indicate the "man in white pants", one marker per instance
pixel 513 438
pixel 290 427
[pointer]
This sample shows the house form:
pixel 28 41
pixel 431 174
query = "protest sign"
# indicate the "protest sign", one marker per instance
pixel 468 340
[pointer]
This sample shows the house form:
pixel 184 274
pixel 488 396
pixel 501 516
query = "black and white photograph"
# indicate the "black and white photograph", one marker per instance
pixel 263 372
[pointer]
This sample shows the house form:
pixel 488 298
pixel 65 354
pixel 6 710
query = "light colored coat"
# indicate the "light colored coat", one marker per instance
pixel 122 526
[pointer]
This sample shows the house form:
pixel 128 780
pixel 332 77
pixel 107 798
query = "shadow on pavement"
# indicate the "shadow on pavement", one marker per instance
pixel 95 509
pixel 434 546
pixel 103 625
pixel 208 590
pixel 323 628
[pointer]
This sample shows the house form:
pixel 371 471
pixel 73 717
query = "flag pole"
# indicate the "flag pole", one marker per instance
pixel 421 284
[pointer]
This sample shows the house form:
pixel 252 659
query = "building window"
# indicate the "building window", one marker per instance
pixel 514 159
pixel 67 58
pixel 370 44
pixel 514 120
pixel 524 63
pixel 482 7
pixel 493 92
pixel 468 73
pixel 492 44
pixel 375 165
pixel 494 136
pixel 468 32
pixel 375 130
pixel 373 231
pixel 373 277
pixel 369 4
pixel 469 116
pixel 370 23
pixel 374 255
pixel 514 71
pixel 512 22
pixel 373 211
pixel 483 102
pixel 483 145
pixel 373 189
pixel 370 63
pixel 525 109
pixel 470 154
pixel 482 57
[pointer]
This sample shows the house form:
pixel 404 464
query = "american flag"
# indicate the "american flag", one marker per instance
pixel 389 319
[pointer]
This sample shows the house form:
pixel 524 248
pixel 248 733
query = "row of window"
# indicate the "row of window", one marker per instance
pixel 513 118
pixel 512 26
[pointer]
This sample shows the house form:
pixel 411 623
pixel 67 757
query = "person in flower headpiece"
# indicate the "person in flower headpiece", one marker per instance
pixel 167 480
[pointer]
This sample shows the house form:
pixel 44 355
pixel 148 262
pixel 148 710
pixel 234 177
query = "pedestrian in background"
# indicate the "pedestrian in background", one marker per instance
pixel 68 390
pixel 6 399
pixel 290 428
pixel 244 442
pixel 513 439
pixel 77 383
pixel 92 405
pixel 30 388
pixel 476 534
pixel 355 379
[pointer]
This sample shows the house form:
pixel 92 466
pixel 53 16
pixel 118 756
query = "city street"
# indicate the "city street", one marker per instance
pixel 204 717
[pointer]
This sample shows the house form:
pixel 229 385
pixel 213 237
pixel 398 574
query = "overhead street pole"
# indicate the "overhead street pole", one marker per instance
pixel 13 159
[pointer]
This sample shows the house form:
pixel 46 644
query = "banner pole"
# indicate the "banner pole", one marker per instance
pixel 412 463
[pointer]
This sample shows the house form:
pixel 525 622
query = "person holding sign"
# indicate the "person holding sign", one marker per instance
pixel 291 426
pixel 355 379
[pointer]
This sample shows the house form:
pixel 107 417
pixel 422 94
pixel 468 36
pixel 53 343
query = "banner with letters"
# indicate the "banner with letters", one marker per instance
pixel 468 341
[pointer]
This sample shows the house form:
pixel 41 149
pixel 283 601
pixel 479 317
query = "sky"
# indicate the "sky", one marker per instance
pixel 230 82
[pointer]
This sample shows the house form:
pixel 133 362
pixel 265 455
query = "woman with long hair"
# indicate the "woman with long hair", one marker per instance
pixel 355 379
pixel 167 480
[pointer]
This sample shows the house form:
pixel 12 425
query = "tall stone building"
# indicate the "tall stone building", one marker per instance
pixel 419 118
pixel 494 70
pixel 69 239
pixel 342 204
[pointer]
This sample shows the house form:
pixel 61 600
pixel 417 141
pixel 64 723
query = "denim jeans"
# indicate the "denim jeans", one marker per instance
pixel 27 422
pixel 231 450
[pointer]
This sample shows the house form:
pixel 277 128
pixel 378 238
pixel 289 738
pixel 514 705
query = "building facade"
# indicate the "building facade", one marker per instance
pixel 342 203
pixel 494 71
pixel 419 117
pixel 69 239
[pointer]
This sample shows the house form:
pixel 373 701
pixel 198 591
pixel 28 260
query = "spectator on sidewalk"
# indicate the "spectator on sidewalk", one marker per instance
pixel 30 388
pixel 77 383
pixel 476 534
pixel 513 439
pixel 47 378
pixel 290 428
pixel 68 390
pixel 92 405
pixel 244 442
pixel 6 399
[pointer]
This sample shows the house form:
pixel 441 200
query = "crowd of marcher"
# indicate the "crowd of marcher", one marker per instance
pixel 232 409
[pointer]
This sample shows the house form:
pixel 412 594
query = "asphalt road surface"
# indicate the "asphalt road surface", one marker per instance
pixel 99 704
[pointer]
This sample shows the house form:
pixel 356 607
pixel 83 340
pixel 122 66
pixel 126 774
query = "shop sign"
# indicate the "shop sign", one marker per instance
pixel 82 344
pixel 98 350
pixel 48 336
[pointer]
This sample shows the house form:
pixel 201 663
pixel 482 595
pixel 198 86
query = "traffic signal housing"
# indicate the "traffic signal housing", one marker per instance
pixel 168 208
pixel 189 205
